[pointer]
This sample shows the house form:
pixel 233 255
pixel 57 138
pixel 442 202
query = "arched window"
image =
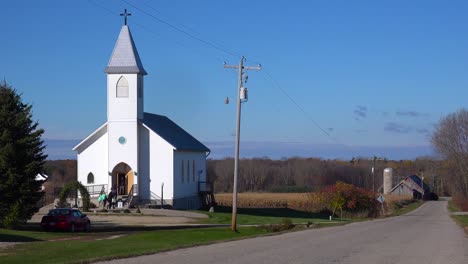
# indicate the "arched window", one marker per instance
pixel 90 178
pixel 122 87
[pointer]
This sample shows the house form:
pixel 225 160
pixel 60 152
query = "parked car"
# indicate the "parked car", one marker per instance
pixel 66 219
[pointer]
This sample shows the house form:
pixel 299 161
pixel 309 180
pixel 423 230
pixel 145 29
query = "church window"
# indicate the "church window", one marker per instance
pixel 188 170
pixel 122 87
pixel 182 173
pixel 90 178
pixel 193 170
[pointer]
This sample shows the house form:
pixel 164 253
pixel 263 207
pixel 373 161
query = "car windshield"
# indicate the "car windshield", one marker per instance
pixel 56 212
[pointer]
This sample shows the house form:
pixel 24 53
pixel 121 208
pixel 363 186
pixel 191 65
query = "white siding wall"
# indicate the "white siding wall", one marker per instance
pixel 94 159
pixel 161 166
pixel 123 108
pixel 127 152
pixel 144 179
pixel 188 188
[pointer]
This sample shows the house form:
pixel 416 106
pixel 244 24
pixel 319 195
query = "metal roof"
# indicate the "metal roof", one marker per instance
pixel 125 58
pixel 417 180
pixel 172 133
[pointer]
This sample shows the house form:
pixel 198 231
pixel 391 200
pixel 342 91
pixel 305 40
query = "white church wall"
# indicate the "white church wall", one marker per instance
pixel 122 108
pixel 126 151
pixel 188 187
pixel 94 159
pixel 161 168
pixel 144 179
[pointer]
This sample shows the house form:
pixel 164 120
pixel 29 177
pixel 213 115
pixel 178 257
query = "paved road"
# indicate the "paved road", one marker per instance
pixel 426 235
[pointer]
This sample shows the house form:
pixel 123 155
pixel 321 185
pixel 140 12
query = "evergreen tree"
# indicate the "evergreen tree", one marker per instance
pixel 21 159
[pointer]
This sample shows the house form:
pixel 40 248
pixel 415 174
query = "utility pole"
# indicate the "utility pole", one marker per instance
pixel 373 172
pixel 241 69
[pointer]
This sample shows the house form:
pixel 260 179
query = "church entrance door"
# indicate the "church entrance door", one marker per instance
pixel 122 178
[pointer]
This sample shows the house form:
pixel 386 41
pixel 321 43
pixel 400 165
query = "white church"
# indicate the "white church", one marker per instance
pixel 141 155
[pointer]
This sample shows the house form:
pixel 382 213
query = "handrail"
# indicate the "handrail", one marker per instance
pixel 133 192
pixel 95 189
pixel 157 198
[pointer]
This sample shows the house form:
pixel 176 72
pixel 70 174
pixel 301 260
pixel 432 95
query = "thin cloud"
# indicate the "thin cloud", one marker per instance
pixel 360 131
pixel 397 128
pixel 360 112
pixel 422 131
pixel 410 113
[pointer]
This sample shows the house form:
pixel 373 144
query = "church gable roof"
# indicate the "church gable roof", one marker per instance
pixel 85 143
pixel 172 133
pixel 125 58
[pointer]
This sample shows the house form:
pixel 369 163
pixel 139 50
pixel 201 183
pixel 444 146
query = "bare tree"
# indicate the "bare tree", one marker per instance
pixel 450 139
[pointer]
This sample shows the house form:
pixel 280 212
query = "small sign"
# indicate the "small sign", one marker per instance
pixel 381 199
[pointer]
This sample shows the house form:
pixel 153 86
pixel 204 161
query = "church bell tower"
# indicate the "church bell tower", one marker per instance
pixel 124 108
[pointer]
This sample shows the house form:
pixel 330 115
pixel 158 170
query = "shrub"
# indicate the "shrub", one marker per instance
pixel 461 202
pixel 346 197
pixel 286 224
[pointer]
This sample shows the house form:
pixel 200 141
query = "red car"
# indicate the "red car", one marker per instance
pixel 66 219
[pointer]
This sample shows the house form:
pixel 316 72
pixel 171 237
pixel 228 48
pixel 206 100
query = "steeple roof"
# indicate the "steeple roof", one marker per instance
pixel 125 57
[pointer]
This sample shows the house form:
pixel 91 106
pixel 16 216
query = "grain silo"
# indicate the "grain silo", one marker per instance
pixel 387 180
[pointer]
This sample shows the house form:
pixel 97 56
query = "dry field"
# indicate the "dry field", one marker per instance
pixel 297 201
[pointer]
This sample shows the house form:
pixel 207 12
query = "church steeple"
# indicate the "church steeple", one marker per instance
pixel 125 58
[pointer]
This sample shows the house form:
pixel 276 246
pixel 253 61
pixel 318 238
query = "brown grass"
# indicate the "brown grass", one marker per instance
pixel 297 201
pixel 395 203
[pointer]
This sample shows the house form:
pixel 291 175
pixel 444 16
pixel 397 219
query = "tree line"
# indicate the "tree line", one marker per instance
pixel 298 174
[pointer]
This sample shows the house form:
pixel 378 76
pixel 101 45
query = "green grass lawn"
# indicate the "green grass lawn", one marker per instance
pixel 87 248
pixel 461 219
pixel 30 236
pixel 260 216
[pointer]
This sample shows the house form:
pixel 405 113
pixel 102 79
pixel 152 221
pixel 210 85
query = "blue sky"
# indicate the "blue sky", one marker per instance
pixel 376 76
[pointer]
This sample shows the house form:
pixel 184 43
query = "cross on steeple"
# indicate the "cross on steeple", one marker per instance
pixel 125 15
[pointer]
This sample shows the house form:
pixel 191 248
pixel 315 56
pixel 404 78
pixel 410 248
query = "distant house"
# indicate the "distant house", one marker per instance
pixel 411 185
pixel 43 178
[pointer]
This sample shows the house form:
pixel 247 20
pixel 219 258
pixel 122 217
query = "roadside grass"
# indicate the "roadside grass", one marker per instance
pixel 261 216
pixel 406 208
pixel 461 219
pixel 452 207
pixel 85 250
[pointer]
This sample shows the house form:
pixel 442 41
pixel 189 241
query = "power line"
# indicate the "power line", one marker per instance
pixel 276 84
pixel 183 31
pixel 219 48
pixel 109 11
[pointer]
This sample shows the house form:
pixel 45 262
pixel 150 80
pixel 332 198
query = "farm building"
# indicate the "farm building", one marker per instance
pixel 140 155
pixel 411 185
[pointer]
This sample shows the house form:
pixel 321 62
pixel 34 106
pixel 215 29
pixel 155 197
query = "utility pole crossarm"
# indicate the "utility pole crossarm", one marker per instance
pixel 231 66
pixel 257 68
